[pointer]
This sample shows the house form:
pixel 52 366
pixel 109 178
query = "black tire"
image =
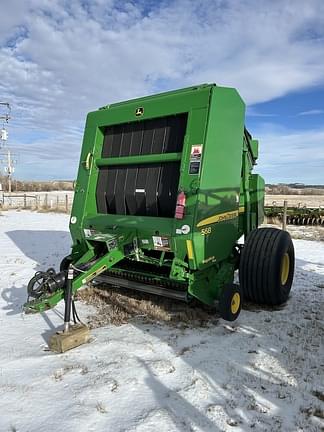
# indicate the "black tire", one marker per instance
pixel 230 302
pixel 267 266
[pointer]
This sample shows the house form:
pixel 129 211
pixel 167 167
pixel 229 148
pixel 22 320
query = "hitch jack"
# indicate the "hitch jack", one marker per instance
pixel 72 335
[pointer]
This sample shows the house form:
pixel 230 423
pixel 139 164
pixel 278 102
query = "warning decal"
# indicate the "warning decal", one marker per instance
pixel 195 159
pixel 161 243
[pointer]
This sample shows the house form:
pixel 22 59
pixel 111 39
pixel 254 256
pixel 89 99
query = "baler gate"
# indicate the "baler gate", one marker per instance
pixel 140 189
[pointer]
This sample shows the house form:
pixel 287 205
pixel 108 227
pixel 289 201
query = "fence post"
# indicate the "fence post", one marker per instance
pixel 46 201
pixel 66 203
pixel 284 217
pixel 25 201
pixel 57 202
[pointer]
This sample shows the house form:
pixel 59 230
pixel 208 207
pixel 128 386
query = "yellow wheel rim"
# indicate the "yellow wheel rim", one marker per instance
pixel 235 303
pixel 285 266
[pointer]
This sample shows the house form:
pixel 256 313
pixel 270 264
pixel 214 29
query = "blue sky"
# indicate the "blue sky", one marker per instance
pixel 60 59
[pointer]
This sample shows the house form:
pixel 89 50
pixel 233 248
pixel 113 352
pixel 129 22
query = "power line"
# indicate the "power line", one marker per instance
pixel 9 168
pixel 7 156
pixel 6 114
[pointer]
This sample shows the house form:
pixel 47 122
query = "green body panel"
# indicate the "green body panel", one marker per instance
pixel 135 160
pixel 257 198
pixel 220 177
pixel 223 199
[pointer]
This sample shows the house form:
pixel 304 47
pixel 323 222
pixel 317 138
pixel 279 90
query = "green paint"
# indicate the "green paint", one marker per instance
pixel 135 160
pixel 223 186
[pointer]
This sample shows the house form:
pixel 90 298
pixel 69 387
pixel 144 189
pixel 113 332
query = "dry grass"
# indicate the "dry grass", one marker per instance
pixel 53 210
pixel 306 232
pixel 36 209
pixel 312 201
pixel 118 306
pixel 300 232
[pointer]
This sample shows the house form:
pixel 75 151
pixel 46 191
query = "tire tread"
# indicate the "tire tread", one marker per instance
pixel 260 262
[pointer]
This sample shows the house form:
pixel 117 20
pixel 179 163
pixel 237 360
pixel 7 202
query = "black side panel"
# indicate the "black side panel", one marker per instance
pixel 153 174
pixel 140 191
pixel 144 190
pixel 112 151
pixel 132 172
pixel 125 147
pixel 169 179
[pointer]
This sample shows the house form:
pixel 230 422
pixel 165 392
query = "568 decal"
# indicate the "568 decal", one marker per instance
pixel 206 231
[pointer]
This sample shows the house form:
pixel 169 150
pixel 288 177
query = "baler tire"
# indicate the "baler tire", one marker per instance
pixel 230 302
pixel 267 266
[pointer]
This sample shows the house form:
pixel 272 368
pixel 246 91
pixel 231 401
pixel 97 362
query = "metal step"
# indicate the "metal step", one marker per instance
pixel 158 290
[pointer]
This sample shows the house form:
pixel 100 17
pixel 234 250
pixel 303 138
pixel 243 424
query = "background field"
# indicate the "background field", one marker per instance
pixel 62 200
pixel 295 200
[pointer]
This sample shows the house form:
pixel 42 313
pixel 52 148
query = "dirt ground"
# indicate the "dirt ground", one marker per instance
pixel 301 232
pixel 117 306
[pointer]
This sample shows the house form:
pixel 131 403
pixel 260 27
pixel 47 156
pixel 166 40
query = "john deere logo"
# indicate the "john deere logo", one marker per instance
pixel 139 111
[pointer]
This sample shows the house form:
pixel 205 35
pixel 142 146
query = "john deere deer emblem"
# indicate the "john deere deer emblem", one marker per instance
pixel 139 111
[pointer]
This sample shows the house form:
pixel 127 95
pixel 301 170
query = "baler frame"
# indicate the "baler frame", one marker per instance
pixel 197 250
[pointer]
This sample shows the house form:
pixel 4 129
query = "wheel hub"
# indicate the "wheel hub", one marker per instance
pixel 285 265
pixel 235 304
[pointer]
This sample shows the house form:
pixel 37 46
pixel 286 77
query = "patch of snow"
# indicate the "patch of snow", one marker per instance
pixel 263 372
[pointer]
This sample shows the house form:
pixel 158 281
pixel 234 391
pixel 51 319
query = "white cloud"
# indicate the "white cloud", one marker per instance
pixel 252 111
pixel 291 155
pixel 66 58
pixel 311 112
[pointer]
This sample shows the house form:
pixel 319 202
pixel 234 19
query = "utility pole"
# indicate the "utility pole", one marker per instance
pixel 9 168
pixel 5 111
pixel 5 115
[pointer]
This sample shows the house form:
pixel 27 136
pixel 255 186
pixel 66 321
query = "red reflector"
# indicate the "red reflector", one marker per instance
pixel 181 203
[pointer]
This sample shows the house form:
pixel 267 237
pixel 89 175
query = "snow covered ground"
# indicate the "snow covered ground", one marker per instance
pixel 262 373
